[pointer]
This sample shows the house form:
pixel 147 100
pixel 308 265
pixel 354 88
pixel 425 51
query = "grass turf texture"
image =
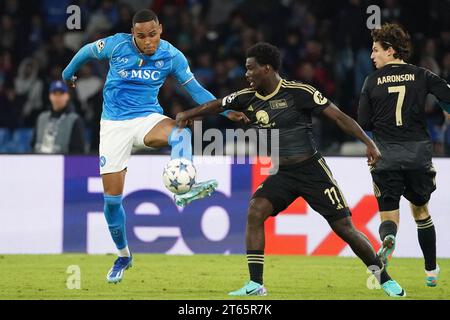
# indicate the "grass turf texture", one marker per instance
pixel 211 277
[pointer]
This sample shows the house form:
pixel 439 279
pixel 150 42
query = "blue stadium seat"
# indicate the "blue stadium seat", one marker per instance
pixel 20 141
pixel 5 135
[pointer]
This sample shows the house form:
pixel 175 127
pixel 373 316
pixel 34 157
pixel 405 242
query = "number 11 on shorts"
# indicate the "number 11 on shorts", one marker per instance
pixel 330 192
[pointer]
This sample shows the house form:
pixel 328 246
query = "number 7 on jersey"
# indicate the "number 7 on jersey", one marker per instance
pixel 401 90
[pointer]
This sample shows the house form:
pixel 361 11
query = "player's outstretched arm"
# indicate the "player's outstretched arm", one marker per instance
pixel 100 49
pixel 352 128
pixel 81 57
pixel 198 93
pixel 208 108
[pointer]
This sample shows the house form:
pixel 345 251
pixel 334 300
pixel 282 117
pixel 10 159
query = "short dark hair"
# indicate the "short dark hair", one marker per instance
pixel 392 35
pixel 144 16
pixel 265 53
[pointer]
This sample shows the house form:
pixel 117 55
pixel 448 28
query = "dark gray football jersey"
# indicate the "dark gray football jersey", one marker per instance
pixel 392 106
pixel 289 109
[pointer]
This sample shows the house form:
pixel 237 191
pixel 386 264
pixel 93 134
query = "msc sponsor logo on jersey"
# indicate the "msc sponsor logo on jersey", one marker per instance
pixel 140 74
pixel 145 74
pixel 319 98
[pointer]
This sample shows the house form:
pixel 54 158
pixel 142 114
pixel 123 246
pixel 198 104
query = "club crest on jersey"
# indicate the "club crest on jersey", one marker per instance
pixel 102 161
pixel 159 64
pixel 263 119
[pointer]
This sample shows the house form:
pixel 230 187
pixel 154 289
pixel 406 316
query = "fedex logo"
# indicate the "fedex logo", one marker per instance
pixel 154 223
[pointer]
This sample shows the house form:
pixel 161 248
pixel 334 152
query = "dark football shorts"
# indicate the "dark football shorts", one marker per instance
pixel 415 185
pixel 310 179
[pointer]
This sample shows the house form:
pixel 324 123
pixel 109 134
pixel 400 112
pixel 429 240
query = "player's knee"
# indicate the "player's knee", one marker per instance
pixel 343 227
pixel 176 135
pixel 257 212
pixel 419 212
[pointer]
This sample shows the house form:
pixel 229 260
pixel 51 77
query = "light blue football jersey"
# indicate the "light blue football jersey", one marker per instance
pixel 133 81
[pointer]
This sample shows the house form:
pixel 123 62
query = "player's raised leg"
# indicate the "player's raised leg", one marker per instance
pixel 361 246
pixel 166 133
pixel 427 239
pixel 115 216
pixel 388 232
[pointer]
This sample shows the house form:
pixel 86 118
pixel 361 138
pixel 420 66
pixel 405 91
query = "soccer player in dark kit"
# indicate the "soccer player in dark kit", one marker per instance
pixel 275 103
pixel 392 105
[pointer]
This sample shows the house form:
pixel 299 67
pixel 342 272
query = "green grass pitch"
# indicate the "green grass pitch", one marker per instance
pixel 211 277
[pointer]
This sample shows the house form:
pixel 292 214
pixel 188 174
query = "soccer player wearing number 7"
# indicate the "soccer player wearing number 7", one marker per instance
pixel 288 106
pixel 392 105
pixel 132 116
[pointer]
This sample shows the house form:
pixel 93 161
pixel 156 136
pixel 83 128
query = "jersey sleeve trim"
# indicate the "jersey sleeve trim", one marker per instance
pixel 188 80
pixel 296 85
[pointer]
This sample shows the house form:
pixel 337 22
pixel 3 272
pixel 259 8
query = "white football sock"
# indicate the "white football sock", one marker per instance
pixel 125 252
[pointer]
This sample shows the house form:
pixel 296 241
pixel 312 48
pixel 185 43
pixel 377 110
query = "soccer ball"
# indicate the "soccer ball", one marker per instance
pixel 179 175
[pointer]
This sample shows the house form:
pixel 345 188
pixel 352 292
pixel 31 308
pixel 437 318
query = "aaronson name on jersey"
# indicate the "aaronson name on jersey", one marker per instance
pixel 396 78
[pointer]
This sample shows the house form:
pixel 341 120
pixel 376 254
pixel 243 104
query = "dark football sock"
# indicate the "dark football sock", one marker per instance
pixel 427 240
pixel 387 227
pixel 255 259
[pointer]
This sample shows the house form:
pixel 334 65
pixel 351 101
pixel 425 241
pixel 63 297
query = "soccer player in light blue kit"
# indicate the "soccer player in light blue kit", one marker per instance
pixel 139 64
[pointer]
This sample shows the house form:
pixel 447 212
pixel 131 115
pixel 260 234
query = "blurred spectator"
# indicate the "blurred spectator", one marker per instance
pixel 204 72
pixel 125 20
pixel 138 4
pixel 6 68
pixel 59 130
pixel 10 108
pixel 87 87
pixel 55 12
pixel 324 43
pixel 35 35
pixel 29 88
pixel 57 52
pixel 7 33
pixel 103 19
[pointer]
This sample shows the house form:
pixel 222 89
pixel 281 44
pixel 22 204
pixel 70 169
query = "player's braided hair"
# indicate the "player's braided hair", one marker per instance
pixel 392 35
pixel 144 15
pixel 265 53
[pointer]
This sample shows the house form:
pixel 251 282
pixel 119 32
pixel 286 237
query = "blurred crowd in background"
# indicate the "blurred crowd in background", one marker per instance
pixel 324 43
